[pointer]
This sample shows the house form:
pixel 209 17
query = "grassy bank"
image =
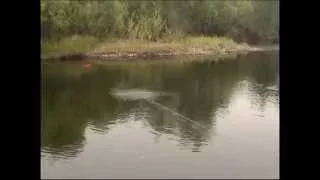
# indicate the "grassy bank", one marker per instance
pixel 114 48
pixel 213 43
pixel 73 44
pixel 152 28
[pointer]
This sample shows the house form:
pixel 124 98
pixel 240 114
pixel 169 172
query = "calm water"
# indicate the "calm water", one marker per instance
pixel 89 133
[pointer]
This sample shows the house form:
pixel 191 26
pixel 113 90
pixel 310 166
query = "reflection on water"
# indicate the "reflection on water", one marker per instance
pixel 87 132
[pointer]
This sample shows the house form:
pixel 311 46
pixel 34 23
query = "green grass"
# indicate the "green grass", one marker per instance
pixel 176 45
pixel 185 44
pixel 71 44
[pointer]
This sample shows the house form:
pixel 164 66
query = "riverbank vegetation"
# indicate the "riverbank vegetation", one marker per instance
pixel 102 26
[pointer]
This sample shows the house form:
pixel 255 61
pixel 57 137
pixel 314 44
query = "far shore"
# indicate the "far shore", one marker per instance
pixel 130 50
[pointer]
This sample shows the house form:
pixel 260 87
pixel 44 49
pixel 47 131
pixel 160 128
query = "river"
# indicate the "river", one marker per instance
pixel 231 107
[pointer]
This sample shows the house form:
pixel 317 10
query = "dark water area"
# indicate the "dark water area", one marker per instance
pixel 87 132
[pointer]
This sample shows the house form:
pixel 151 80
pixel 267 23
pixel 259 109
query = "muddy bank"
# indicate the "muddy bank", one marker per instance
pixel 164 53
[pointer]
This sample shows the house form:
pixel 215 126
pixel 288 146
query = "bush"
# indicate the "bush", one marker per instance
pixel 153 20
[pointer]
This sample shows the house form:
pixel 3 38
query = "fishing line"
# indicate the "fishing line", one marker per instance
pixel 173 112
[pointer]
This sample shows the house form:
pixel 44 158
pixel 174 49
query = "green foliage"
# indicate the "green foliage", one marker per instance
pixel 244 21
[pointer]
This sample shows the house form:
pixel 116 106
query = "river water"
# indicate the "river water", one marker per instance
pixel 231 106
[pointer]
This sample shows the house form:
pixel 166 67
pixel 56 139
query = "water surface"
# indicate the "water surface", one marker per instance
pixel 87 132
